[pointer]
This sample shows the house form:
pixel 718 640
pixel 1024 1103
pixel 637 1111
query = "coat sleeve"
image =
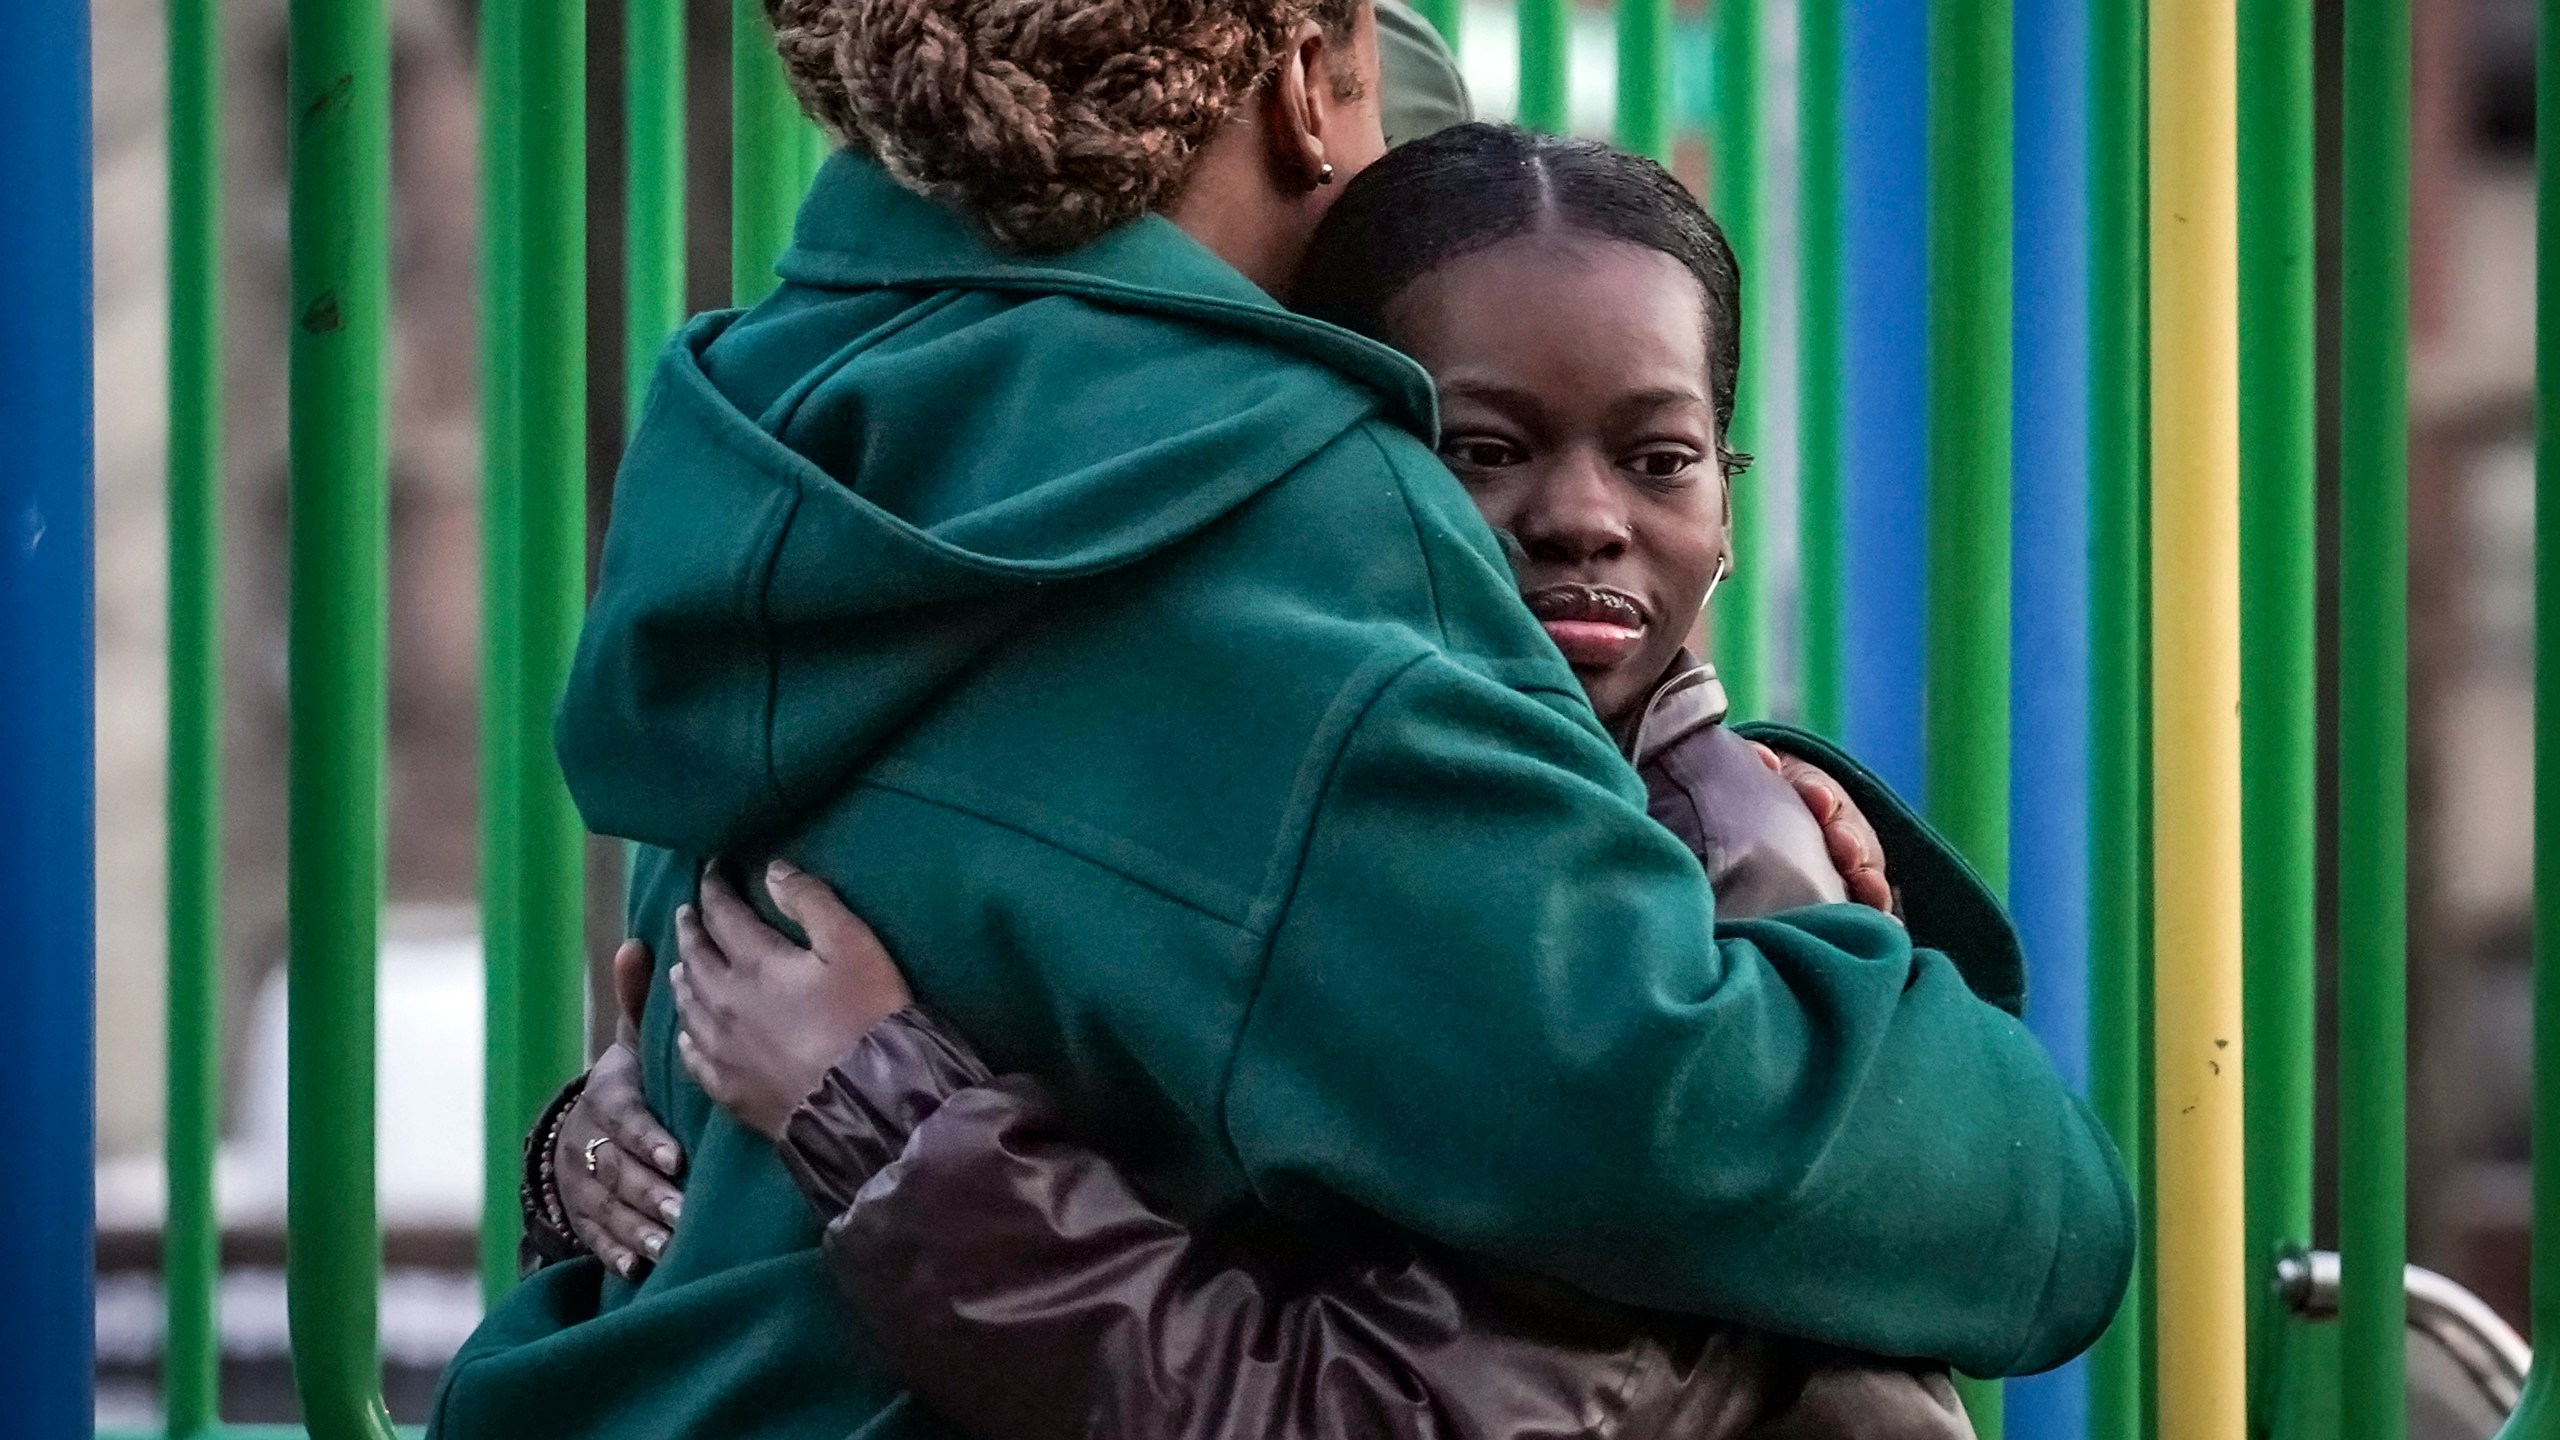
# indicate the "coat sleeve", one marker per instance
pixel 1026 1290
pixel 1498 1010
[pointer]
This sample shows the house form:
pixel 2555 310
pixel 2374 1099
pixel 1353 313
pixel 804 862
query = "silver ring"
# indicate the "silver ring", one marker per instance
pixel 592 1147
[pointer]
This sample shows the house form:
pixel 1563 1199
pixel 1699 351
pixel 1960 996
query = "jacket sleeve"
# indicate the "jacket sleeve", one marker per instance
pixel 1510 1023
pixel 1026 1290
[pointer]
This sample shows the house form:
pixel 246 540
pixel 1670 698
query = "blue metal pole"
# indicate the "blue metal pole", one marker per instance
pixel 2049 581
pixel 1884 235
pixel 46 808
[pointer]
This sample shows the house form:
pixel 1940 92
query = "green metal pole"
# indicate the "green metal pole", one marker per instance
pixel 1968 705
pixel 2537 1417
pixel 2119 655
pixel 2279 569
pixel 766 158
pixel 1444 16
pixel 2373 761
pixel 1546 65
pixel 654 114
pixel 338 79
pixel 1644 77
pixel 1967 737
pixel 502 340
pixel 191 1245
pixel 549 902
pixel 1820 376
pixel 1740 621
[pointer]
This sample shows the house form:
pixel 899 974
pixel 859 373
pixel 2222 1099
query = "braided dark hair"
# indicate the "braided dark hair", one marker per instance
pixel 1471 187
pixel 1048 121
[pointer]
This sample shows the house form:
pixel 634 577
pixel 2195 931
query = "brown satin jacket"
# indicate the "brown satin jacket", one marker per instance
pixel 1028 1291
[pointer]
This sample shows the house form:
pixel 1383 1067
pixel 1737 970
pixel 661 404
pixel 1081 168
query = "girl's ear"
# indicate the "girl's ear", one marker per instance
pixel 1725 560
pixel 1294 112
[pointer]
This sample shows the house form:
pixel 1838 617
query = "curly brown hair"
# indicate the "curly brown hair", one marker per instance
pixel 1048 121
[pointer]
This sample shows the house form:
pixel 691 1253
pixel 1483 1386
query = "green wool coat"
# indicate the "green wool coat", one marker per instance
pixel 1113 641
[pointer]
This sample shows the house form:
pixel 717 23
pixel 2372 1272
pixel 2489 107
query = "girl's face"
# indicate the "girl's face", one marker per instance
pixel 1574 406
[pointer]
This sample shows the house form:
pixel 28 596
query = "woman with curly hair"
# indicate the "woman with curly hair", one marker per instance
pixel 1112 638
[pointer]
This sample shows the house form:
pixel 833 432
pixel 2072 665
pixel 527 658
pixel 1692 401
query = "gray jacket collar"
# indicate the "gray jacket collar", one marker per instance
pixel 1689 699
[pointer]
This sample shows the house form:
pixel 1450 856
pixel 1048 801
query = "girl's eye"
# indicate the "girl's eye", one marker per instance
pixel 1478 452
pixel 1660 466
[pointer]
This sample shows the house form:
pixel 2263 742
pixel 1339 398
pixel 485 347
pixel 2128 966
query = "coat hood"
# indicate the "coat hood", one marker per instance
pixel 836 502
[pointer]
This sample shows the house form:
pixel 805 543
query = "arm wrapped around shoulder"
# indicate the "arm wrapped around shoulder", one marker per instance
pixel 1498 1010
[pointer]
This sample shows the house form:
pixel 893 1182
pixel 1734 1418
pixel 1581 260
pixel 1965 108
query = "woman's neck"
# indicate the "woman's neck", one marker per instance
pixel 1245 214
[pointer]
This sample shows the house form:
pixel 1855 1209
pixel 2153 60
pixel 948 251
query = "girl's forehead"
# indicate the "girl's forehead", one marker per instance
pixel 1583 301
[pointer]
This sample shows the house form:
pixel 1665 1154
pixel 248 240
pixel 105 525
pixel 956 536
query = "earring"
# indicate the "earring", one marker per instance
pixel 1325 175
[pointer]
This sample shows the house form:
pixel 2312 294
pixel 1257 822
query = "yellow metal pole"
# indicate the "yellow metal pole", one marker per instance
pixel 2201 1214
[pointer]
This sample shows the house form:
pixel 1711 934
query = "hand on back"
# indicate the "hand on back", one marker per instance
pixel 761 1021
pixel 615 1166
pixel 1856 850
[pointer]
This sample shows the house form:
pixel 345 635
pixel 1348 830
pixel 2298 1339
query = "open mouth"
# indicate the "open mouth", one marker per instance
pixel 1596 627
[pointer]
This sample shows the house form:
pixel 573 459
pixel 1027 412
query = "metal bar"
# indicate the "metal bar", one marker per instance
pixel 1968 425
pixel 47 811
pixel 2195 529
pixel 654 114
pixel 2119 423
pixel 2537 1417
pixel 1885 88
pixel 1818 370
pixel 1967 691
pixel 2049 772
pixel 1546 65
pixel 549 902
pixel 1644 77
pixel 2373 591
pixel 1444 16
pixel 1741 620
pixel 2279 570
pixel 191 1239
pixel 502 339
pixel 338 80
pixel 765 161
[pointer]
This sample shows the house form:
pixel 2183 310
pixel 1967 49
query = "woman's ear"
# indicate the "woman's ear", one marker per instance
pixel 1297 112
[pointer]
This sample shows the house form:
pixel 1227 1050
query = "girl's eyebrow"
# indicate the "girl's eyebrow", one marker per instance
pixel 1658 398
pixel 1493 392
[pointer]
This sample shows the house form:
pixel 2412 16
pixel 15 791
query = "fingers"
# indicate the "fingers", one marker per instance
pixel 742 937
pixel 698 1065
pixel 695 949
pixel 1849 848
pixel 631 971
pixel 620 1109
pixel 1768 757
pixel 1869 888
pixel 1856 851
pixel 840 938
pixel 591 1172
pixel 700 1028
pixel 836 933
pixel 1821 794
